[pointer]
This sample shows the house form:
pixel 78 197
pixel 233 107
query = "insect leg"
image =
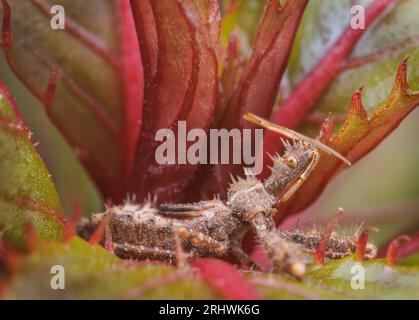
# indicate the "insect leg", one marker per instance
pixel 188 210
pixel 236 249
pixel 180 211
pixel 243 257
pixel 200 240
pixel 285 255
pixel 181 256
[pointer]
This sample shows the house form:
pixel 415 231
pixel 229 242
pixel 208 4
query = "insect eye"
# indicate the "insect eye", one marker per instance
pixel 291 161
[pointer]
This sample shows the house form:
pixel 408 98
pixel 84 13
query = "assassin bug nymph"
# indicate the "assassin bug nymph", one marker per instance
pixel 216 228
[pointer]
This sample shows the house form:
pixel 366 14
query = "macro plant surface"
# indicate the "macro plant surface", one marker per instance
pixel 109 83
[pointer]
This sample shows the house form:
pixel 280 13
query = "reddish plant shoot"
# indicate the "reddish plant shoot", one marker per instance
pixel 392 250
pixel 361 243
pixel 321 249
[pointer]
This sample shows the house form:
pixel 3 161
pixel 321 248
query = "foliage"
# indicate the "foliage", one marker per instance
pixel 109 86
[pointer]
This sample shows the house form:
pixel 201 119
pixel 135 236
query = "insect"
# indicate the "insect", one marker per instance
pixel 215 227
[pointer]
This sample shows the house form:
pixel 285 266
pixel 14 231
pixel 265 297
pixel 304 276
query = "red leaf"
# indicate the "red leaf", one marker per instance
pixel 359 135
pixel 259 83
pixel 225 278
pixel 229 77
pixel 181 81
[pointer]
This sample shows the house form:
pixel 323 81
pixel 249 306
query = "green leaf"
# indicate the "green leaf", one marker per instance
pixel 27 193
pixel 335 281
pixel 381 281
pixel 92 272
pixel 391 40
pixel 241 17
pixel 410 260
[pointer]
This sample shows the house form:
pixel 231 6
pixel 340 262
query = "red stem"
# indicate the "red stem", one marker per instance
pixel 30 237
pixel 361 245
pixel 71 226
pixel 393 248
pixel 99 233
pixel 133 75
pixel 362 242
pixel 321 249
pixel 51 89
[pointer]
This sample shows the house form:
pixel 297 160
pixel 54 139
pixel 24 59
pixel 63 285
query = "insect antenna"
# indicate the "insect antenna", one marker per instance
pixel 293 135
